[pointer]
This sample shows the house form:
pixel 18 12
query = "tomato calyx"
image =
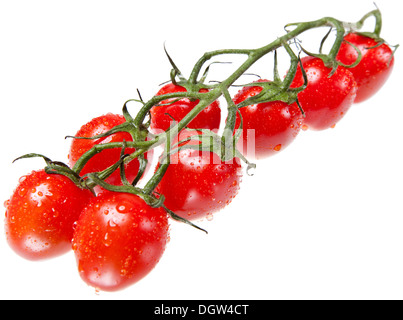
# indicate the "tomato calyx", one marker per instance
pixel 206 140
pixel 56 167
pixel 191 87
pixel 277 89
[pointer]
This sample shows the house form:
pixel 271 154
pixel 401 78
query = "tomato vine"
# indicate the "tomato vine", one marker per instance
pixel 294 97
pixel 277 90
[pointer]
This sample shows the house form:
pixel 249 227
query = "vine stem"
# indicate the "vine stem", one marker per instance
pixel 221 88
pixel 217 90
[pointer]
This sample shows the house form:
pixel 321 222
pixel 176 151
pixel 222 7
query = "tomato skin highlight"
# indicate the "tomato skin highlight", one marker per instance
pixel 272 125
pixel 326 99
pixel 118 240
pixel 108 157
pixel 163 115
pixel 197 183
pixel 40 215
pixel 374 68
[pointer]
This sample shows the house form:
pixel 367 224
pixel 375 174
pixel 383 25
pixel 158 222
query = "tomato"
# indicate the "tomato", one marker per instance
pixel 374 68
pixel 107 157
pixel 169 110
pixel 197 183
pixel 118 240
pixel 267 127
pixel 40 215
pixel 326 99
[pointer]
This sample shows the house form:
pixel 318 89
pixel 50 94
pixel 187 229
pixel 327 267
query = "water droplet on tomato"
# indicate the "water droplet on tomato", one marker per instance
pixel 112 224
pixel 277 147
pixel 55 213
pixel 107 241
pixel 304 127
pixel 209 217
pixel 22 192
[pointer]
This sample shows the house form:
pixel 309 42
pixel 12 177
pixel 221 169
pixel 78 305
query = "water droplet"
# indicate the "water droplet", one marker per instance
pixel 112 224
pixel 277 147
pixel 22 192
pixel 55 212
pixel 250 170
pixel 107 240
pixel 304 127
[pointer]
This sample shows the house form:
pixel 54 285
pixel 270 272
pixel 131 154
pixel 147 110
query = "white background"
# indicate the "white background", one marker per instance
pixel 321 220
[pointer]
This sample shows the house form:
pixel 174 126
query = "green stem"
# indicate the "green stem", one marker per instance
pixel 142 146
pixel 217 90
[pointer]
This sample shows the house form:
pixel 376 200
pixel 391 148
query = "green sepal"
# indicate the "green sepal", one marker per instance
pixel 272 91
pixel 56 167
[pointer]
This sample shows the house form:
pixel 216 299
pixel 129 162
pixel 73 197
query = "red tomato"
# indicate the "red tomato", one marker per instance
pixel 118 240
pixel 108 157
pixel 40 215
pixel 161 116
pixel 197 183
pixel 374 68
pixel 327 98
pixel 267 127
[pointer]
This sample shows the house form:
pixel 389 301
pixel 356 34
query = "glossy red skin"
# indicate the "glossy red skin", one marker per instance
pixel 40 215
pixel 326 99
pixel 108 157
pixel 198 184
pixel 374 68
pixel 275 125
pixel 209 118
pixel 118 240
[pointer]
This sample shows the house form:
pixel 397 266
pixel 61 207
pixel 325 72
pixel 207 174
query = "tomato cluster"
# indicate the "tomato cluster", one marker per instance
pixel 118 237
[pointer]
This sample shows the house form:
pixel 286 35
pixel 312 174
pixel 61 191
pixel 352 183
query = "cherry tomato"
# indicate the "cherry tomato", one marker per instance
pixel 40 215
pixel 326 99
pixel 374 68
pixel 197 183
pixel 169 110
pixel 267 127
pixel 118 240
pixel 107 157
